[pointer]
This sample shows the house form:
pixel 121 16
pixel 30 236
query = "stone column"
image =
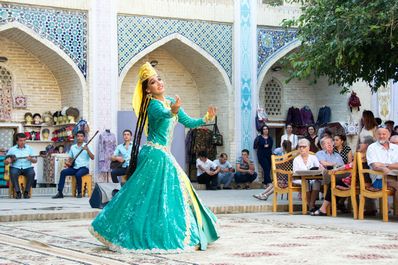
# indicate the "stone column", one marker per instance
pixel 245 77
pixel 103 66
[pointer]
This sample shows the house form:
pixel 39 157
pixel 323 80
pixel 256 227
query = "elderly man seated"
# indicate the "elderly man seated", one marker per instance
pixel 383 156
pixel 306 161
pixel 329 160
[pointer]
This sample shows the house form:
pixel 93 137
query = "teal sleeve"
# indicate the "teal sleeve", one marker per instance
pixel 157 111
pixel 187 121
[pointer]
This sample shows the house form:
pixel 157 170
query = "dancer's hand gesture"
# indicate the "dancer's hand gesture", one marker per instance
pixel 212 111
pixel 176 106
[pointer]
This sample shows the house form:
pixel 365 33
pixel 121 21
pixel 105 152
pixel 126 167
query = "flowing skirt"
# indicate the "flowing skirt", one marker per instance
pixel 156 211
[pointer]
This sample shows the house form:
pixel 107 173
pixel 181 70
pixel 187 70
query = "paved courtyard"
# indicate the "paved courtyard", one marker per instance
pixel 256 238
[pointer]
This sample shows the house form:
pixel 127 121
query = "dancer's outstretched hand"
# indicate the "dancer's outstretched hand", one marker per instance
pixel 212 111
pixel 176 106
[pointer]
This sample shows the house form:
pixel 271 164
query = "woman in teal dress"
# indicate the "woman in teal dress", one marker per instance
pixel 157 210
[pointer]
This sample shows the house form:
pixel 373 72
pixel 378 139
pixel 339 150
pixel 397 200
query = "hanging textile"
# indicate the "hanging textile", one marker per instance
pixel 199 139
pixel 324 116
pixel 106 147
pixel 306 115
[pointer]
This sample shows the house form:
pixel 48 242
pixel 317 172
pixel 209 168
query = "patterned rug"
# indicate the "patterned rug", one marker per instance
pixel 245 239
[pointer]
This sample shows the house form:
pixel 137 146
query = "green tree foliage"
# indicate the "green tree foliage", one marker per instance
pixel 347 41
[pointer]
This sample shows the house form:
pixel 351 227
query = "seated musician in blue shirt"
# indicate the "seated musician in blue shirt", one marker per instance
pixel 122 155
pixel 77 165
pixel 20 156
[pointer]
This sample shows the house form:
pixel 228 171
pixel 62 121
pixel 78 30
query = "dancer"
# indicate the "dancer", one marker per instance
pixel 157 210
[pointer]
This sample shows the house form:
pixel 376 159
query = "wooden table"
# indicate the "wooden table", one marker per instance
pixel 306 175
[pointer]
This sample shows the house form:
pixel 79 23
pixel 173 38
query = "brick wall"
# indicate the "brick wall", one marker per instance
pixel 198 87
pixel 177 81
pixel 34 78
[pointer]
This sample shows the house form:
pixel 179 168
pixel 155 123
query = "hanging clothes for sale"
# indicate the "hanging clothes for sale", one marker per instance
pixel 324 115
pixel 294 117
pixel 106 147
pixel 306 116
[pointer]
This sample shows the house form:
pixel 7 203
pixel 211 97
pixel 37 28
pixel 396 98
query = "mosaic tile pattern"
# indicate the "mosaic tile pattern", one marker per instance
pixel 246 52
pixel 137 33
pixel 270 41
pixel 65 28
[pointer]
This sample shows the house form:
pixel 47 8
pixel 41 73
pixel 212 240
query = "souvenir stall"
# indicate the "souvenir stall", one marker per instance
pixel 50 134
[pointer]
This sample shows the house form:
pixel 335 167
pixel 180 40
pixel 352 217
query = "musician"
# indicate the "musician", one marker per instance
pixel 21 164
pixel 122 155
pixel 80 166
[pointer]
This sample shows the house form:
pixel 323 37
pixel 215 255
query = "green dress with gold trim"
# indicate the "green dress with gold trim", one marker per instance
pixel 157 210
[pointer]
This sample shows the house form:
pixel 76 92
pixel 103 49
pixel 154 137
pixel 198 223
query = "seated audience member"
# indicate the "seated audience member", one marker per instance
pixel 306 161
pixel 342 148
pixel 394 139
pixel 207 171
pixel 396 129
pixel 122 154
pixel 390 126
pixel 245 170
pixel 383 156
pixel 226 175
pixel 329 160
pixel 285 149
pixel 378 121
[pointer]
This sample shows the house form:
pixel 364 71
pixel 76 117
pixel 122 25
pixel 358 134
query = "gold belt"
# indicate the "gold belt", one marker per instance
pixel 158 146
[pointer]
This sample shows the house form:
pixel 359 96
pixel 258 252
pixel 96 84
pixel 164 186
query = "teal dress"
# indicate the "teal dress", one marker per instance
pixel 157 210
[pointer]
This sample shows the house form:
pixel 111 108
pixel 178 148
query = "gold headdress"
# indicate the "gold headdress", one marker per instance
pixel 146 71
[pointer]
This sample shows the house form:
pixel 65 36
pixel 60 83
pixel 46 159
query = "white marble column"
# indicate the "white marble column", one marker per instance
pixel 103 66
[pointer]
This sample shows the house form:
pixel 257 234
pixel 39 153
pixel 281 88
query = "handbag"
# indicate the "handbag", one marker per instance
pixel 217 136
pixel 20 101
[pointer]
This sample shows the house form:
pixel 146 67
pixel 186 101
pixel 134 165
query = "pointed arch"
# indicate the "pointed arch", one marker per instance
pixel 273 59
pixel 61 65
pixel 186 41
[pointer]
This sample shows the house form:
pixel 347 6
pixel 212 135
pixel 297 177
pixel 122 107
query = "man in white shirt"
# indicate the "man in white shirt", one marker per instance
pixel 207 171
pixel 226 174
pixel 383 155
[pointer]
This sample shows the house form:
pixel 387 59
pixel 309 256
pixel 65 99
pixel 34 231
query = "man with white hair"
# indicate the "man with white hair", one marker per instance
pixel 330 160
pixel 383 156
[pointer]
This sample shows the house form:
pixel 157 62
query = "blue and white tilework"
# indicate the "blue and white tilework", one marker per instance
pixel 135 33
pixel 67 29
pixel 246 82
pixel 270 41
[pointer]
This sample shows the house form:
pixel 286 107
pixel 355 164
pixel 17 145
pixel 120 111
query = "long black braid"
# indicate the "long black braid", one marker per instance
pixel 139 128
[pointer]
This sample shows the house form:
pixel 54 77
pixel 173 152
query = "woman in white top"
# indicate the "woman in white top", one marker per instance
pixel 306 161
pixel 368 126
pixel 290 136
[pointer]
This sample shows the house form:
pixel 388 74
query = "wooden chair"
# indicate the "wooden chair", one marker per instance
pixel 382 195
pixel 282 171
pixel 351 193
pixel 86 185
